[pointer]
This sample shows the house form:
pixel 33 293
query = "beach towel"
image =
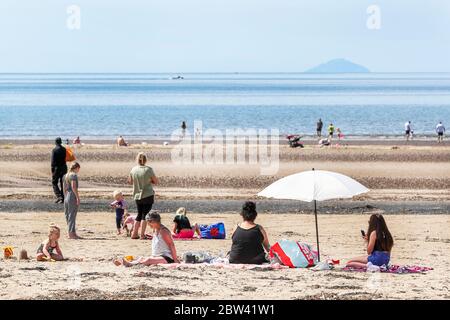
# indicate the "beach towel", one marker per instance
pixel 394 269
pixel 293 254
pixel 212 231
pixel 223 265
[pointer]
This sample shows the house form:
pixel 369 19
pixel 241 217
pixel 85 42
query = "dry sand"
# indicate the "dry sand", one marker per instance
pixel 419 239
pixel 412 179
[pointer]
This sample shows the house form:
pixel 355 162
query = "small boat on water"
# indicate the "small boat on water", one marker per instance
pixel 177 78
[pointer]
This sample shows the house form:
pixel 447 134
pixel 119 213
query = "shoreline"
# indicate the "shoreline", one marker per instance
pixel 307 140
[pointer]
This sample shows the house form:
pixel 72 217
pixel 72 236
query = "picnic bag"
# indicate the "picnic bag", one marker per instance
pixel 293 254
pixel 212 231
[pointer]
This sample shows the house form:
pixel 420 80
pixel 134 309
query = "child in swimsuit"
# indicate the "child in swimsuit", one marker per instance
pixel 49 249
pixel 121 206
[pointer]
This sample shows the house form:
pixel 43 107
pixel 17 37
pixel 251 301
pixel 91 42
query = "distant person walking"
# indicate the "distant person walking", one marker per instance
pixel 183 129
pixel 59 169
pixel 72 199
pixel 319 126
pixel 440 130
pixel 408 130
pixel 330 131
pixel 142 178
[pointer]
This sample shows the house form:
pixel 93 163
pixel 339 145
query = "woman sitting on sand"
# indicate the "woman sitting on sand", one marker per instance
pixel 249 239
pixel 182 228
pixel 45 250
pixel 379 244
pixel 163 248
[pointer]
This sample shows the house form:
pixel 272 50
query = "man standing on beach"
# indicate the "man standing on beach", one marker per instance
pixel 59 169
pixel 440 130
pixel 319 127
pixel 408 130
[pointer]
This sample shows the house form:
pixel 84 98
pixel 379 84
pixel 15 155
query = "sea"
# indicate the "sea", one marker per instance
pixel 153 105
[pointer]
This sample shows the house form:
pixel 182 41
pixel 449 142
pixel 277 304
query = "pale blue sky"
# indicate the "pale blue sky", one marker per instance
pixel 222 35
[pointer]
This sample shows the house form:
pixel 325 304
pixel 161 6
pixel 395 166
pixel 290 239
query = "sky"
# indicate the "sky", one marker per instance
pixel 222 35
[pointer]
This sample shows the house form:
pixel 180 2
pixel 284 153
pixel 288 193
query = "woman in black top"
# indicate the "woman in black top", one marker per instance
pixel 250 241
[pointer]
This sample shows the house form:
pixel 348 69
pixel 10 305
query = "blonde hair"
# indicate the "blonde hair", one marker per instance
pixel 181 211
pixel 117 193
pixel 141 158
pixel 53 228
pixel 71 172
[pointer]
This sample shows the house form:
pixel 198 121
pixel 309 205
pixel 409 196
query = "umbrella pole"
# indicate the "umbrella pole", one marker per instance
pixel 317 230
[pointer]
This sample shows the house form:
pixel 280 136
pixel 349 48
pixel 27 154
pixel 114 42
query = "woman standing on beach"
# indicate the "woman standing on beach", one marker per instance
pixel 142 178
pixel 71 198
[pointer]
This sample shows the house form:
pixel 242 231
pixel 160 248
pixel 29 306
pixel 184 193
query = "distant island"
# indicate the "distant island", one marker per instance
pixel 338 66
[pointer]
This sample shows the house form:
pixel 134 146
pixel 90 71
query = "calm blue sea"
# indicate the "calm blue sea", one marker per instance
pixel 102 106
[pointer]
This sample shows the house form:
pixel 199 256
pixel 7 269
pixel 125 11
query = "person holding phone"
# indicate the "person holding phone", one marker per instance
pixel 379 244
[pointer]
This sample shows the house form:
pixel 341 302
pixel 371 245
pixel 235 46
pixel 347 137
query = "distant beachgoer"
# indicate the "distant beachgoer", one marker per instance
pixel 379 244
pixel 163 247
pixel 142 177
pixel 121 142
pixel 77 140
pixel 121 207
pixel 182 228
pixel 49 249
pixel 408 130
pixel 324 142
pixel 330 131
pixel 440 130
pixel 249 240
pixel 59 169
pixel 183 128
pixel 339 134
pixel 319 127
pixel 71 199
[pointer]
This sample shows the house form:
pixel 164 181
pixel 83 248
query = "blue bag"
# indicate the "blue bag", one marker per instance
pixel 212 231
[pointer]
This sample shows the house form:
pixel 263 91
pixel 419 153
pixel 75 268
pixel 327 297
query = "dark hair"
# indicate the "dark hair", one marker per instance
pixel 249 211
pixel 154 217
pixel 384 238
pixel 58 141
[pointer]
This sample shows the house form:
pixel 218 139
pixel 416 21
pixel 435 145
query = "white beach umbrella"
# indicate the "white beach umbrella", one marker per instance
pixel 314 185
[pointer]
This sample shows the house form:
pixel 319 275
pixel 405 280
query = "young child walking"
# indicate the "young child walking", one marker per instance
pixel 49 249
pixel 121 207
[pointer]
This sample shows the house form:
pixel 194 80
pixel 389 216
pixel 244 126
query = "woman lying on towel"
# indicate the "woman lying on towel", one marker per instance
pixel 182 228
pixel 249 240
pixel 163 248
pixel 379 244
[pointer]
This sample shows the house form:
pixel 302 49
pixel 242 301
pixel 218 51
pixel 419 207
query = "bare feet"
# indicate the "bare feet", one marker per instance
pixel 126 263
pixel 117 262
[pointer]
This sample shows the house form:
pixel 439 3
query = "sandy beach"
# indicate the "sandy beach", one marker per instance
pixel 409 183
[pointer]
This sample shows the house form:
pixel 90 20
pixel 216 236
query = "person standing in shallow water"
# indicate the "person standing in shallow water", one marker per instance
pixel 142 177
pixel 59 169
pixel 319 127
pixel 440 130
pixel 72 199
